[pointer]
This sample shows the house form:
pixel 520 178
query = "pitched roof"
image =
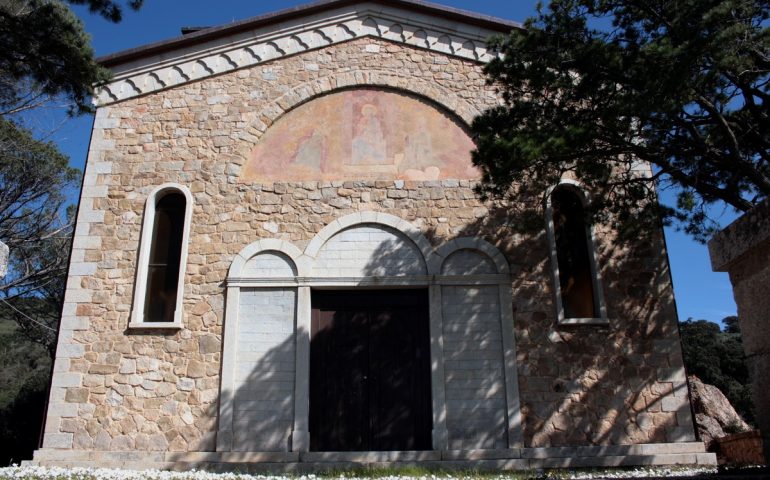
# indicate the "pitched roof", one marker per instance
pixel 454 14
pixel 257 40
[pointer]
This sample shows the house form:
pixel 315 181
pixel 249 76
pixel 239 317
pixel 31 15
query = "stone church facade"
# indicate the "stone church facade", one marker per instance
pixel 336 293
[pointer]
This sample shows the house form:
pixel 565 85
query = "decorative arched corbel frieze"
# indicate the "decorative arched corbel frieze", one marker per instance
pixel 229 53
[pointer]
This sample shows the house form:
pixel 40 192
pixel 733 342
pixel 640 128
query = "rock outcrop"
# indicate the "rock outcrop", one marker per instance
pixel 714 415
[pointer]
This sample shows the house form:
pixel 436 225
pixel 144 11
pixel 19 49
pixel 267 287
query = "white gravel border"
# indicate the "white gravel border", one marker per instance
pixel 58 473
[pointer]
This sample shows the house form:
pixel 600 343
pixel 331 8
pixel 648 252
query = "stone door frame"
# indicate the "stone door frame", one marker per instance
pixel 303 281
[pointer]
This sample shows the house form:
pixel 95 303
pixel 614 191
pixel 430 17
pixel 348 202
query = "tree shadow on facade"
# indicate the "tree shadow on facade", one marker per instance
pixel 621 383
pixel 263 404
pixel 578 385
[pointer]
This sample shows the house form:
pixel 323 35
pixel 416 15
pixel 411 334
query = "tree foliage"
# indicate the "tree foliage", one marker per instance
pixel 596 88
pixel 109 9
pixel 34 180
pixel 717 358
pixel 47 54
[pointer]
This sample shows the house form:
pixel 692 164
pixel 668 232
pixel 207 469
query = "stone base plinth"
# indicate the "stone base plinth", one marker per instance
pixel 691 453
pixel 741 449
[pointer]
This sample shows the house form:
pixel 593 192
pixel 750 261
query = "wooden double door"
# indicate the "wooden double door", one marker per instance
pixel 370 371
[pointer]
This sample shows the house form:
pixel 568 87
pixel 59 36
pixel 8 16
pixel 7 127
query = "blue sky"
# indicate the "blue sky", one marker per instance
pixel 700 293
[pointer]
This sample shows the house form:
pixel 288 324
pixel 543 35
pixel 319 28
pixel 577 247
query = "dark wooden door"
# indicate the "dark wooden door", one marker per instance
pixel 370 371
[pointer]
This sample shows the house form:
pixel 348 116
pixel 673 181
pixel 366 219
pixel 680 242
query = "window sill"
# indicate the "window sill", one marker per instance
pixel 584 321
pixel 155 326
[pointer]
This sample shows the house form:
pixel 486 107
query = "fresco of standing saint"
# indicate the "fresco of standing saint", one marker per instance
pixel 362 134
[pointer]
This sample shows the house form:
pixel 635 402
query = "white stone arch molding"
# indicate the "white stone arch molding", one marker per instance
pixel 140 285
pixel 474 265
pixel 578 189
pixel 408 240
pixel 414 275
pixel 263 267
pixel 240 275
pixel 494 270
pixel 447 100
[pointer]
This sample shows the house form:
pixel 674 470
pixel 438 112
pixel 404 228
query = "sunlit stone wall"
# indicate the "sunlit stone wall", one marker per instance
pixel 119 389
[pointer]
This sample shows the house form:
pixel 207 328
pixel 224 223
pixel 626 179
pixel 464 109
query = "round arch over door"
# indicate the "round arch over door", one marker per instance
pixel 371 252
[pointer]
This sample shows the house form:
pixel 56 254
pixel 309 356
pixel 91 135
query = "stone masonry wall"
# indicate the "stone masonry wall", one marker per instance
pixel 131 390
pixel 743 250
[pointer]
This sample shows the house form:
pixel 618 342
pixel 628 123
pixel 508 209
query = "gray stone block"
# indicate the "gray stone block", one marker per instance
pixel 508 453
pixel 64 410
pixel 673 404
pixel 57 440
pixel 666 448
pixel 680 434
pixel 706 459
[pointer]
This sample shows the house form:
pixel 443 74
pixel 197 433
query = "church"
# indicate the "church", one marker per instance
pixel 280 263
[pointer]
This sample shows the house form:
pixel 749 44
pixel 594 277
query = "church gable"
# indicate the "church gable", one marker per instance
pixel 261 40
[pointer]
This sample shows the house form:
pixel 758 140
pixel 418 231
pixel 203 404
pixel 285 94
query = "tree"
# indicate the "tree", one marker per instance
pixel 34 178
pixel 716 357
pixel 594 88
pixel 46 53
pixel 732 325
pixel 24 375
pixel 46 56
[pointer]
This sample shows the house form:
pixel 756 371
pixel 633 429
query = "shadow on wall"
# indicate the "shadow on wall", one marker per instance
pixel 579 385
pixel 588 385
pixel 597 384
pixel 263 404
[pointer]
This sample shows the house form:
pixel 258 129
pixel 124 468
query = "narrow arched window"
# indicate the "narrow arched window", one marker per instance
pixel 162 257
pixel 165 252
pixel 578 290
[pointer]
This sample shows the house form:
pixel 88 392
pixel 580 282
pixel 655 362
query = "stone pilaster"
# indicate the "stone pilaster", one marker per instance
pixel 743 250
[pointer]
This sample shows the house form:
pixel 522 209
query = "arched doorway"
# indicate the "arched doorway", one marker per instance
pixel 389 298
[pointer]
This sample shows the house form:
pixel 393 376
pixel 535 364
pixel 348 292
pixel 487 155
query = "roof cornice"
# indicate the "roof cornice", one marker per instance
pixel 260 39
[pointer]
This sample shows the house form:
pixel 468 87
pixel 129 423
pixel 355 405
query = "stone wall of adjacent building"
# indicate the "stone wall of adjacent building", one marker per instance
pixel 119 389
pixel 743 250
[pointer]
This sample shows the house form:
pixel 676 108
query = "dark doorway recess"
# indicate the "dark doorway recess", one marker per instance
pixel 370 371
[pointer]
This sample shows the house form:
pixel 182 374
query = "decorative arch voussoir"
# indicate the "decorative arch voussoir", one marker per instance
pixel 266 245
pixel 312 89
